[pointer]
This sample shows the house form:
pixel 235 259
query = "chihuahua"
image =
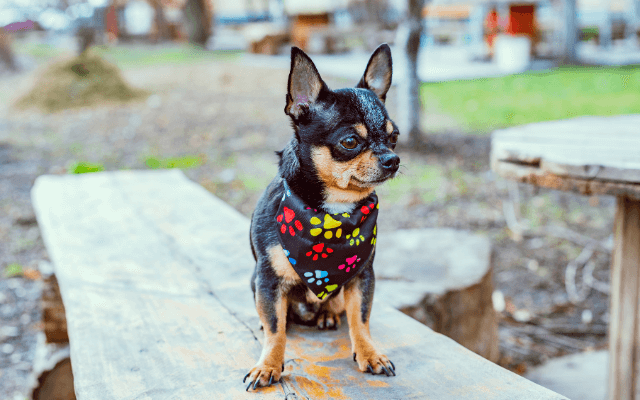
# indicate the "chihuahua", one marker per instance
pixel 313 231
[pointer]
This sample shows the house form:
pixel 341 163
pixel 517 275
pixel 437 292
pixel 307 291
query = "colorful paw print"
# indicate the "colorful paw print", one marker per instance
pixel 319 249
pixel 288 215
pixel 286 194
pixel 328 224
pixel 328 289
pixel 366 210
pixel 349 264
pixel 291 260
pixel 374 239
pixel 355 237
pixel 318 277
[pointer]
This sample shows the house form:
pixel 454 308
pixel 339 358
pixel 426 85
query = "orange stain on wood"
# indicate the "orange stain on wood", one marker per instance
pixel 317 391
pixel 378 383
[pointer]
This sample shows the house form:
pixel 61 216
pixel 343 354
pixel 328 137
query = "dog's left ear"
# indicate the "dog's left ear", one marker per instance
pixel 377 76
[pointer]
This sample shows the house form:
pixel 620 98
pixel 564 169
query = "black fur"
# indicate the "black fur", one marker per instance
pixel 319 117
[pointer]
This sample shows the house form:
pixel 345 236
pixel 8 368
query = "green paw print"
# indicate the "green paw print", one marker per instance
pixel 355 237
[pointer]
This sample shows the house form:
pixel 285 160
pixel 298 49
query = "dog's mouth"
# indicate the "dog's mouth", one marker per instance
pixel 373 182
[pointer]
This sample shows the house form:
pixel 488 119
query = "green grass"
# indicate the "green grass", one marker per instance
pixel 12 270
pixel 39 51
pixel 125 56
pixel 426 182
pixel 484 105
pixel 184 162
pixel 83 167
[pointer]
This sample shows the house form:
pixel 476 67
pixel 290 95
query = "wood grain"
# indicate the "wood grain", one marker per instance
pixel 624 334
pixel 154 274
pixel 587 148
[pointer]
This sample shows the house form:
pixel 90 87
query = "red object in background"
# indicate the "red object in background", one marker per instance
pixel 111 23
pixel 521 20
pixel 491 28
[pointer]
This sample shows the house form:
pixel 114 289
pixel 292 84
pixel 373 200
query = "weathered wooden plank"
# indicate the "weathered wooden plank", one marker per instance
pixel 604 148
pixel 624 334
pixel 539 177
pixel 150 260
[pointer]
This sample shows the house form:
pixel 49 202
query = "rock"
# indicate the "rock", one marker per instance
pixel 443 278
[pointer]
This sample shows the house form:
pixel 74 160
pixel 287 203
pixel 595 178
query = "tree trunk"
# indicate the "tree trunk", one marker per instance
pixel 409 105
pixel 161 21
pixel 570 33
pixel 6 54
pixel 198 17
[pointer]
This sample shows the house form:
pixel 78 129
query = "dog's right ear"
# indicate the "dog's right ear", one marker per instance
pixel 305 84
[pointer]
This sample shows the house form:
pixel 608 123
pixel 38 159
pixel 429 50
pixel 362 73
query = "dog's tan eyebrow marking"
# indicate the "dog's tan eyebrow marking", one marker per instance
pixel 361 130
pixel 389 127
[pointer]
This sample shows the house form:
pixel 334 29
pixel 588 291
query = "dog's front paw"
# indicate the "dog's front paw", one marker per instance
pixel 374 362
pixel 263 375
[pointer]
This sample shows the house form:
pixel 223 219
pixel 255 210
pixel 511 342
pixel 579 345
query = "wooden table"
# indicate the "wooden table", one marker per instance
pixel 592 156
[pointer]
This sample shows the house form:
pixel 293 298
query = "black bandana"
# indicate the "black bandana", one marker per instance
pixel 326 250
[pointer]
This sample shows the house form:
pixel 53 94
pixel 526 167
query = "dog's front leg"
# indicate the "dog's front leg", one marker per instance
pixel 271 305
pixel 358 296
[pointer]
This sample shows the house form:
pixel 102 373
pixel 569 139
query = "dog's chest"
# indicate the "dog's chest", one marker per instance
pixel 338 208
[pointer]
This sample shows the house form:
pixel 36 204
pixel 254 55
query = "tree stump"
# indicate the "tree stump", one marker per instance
pixel 52 378
pixel 442 278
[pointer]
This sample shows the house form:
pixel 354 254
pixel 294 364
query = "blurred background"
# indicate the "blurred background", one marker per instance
pixel 102 85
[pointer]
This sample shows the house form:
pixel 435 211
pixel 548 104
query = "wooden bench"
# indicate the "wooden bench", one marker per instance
pixel 154 275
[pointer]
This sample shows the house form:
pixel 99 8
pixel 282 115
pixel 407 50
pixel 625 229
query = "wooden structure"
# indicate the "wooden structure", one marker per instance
pixel 444 279
pixel 592 155
pixel 154 274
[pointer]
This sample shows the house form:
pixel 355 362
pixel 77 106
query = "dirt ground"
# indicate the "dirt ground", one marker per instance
pixel 231 116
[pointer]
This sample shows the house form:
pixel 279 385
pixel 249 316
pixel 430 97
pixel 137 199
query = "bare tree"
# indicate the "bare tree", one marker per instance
pixel 161 20
pixel 6 54
pixel 198 15
pixel 570 32
pixel 409 105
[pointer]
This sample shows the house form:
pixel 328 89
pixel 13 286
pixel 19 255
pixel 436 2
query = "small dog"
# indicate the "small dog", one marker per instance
pixel 313 231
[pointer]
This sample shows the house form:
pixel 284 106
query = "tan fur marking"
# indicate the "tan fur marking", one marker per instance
pixel 389 127
pixel 361 130
pixel 282 266
pixel 272 357
pixel 338 177
pixel 361 342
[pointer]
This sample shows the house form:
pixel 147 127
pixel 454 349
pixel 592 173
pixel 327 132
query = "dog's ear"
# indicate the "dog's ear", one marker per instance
pixel 305 84
pixel 377 76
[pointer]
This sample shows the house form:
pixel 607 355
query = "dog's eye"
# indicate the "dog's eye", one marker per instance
pixel 349 143
pixel 393 139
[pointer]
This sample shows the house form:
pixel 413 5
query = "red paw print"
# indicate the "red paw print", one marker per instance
pixel 366 210
pixel 319 250
pixel 288 215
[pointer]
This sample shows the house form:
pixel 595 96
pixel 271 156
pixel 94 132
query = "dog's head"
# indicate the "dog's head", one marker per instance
pixel 345 137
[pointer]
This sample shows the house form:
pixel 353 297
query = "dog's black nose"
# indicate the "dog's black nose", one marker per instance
pixel 389 162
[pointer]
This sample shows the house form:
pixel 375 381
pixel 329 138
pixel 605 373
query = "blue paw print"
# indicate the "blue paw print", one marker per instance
pixel 291 260
pixel 318 277
pixel 286 193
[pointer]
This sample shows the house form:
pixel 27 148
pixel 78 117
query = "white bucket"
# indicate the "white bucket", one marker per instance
pixel 513 53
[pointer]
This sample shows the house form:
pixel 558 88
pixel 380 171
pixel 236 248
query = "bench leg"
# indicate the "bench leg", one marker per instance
pixel 624 332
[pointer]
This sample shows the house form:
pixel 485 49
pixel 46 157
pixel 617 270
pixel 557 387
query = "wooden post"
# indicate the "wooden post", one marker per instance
pixel 624 332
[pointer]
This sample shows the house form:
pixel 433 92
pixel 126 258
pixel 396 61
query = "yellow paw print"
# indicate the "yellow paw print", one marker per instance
pixel 374 239
pixel 329 223
pixel 355 237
